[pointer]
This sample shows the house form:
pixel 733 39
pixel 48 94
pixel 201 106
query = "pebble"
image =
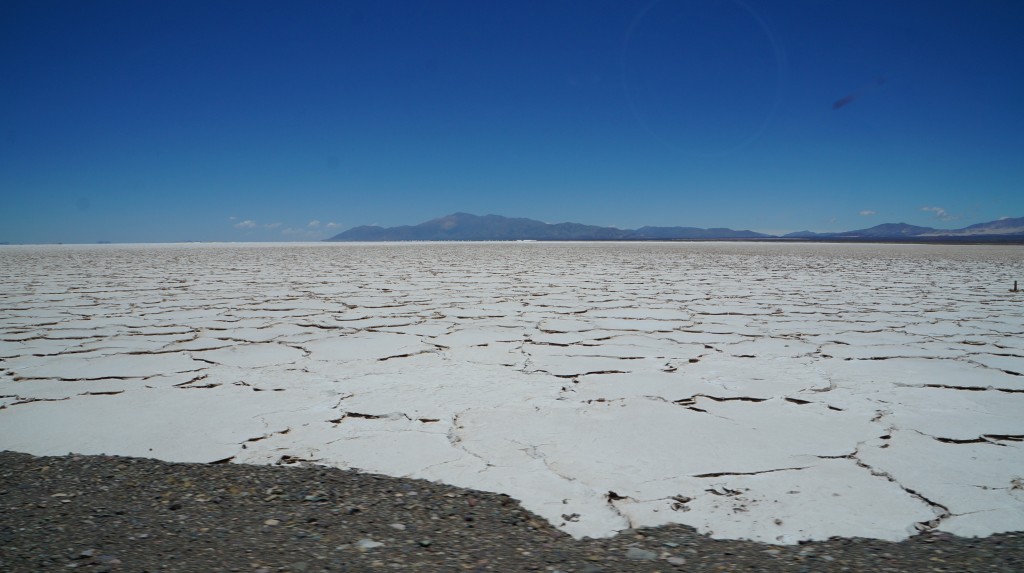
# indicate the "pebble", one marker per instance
pixel 398 526
pixel 677 561
pixel 272 522
pixel 638 554
pixel 365 544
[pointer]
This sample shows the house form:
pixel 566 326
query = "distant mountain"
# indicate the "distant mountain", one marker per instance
pixel 801 235
pixel 887 231
pixel 1007 226
pixel 467 227
pixel 1009 229
pixel 693 233
pixel 883 231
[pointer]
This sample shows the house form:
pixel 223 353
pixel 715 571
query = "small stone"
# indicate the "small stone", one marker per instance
pixel 828 558
pixel 272 522
pixel 677 561
pixel 670 544
pixel 366 544
pixel 87 554
pixel 591 568
pixel 555 557
pixel 772 551
pixel 425 542
pixel 638 554
pixel 397 526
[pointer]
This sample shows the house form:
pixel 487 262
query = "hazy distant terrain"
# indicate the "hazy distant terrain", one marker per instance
pixel 467 227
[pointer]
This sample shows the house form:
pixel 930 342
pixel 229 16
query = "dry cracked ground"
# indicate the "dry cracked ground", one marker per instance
pixel 770 392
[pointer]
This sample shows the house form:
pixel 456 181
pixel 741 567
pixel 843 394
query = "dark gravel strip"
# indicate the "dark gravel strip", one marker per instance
pixel 105 513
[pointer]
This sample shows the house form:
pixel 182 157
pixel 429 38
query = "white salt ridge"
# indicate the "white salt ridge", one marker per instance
pixel 769 392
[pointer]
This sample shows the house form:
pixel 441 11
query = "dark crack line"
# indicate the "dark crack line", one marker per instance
pixel 968 388
pixel 611 497
pixel 406 355
pixel 942 512
pixel 362 416
pixel 724 474
pixel 31 400
pixel 265 436
pixel 97 379
pixel 193 381
pixel 692 400
pixel 993 439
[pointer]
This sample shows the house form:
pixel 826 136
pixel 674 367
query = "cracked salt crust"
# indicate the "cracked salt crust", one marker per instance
pixel 769 392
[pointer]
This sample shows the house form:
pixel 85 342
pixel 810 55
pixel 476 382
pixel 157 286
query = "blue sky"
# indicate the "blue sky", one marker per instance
pixel 169 121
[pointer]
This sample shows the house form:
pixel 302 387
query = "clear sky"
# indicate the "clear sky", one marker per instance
pixel 179 120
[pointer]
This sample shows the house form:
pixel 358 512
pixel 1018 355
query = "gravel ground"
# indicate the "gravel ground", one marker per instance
pixel 105 513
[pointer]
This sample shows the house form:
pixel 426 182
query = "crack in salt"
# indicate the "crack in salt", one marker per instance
pixel 941 511
pixel 723 474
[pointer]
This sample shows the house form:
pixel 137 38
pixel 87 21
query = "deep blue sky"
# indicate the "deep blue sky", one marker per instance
pixel 167 121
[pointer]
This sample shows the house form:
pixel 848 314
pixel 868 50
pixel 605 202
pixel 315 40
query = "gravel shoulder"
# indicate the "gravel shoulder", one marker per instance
pixel 108 513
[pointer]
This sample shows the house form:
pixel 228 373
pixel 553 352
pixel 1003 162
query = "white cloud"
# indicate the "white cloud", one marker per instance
pixel 332 225
pixel 867 213
pixel 313 224
pixel 246 224
pixel 272 225
pixel 232 218
pixel 939 213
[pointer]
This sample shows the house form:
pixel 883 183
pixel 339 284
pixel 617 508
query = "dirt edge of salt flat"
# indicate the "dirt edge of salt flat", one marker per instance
pixel 149 515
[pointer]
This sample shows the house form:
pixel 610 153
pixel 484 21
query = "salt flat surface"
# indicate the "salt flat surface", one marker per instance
pixel 763 391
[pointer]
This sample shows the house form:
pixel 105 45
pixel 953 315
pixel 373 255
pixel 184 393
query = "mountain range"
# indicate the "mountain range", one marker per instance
pixel 467 227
